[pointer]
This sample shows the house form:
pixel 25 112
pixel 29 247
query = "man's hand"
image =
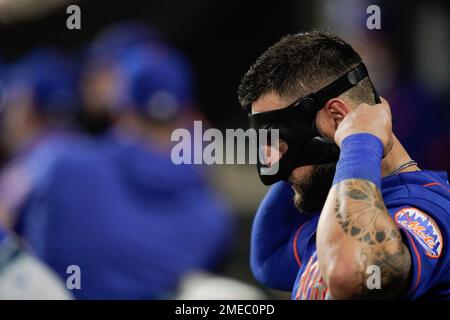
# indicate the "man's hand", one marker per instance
pixel 376 120
pixel 355 229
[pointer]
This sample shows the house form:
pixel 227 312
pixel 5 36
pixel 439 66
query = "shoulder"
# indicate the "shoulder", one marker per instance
pixel 65 156
pixel 428 229
pixel 421 201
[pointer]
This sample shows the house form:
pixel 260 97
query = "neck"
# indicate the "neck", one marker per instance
pixel 395 158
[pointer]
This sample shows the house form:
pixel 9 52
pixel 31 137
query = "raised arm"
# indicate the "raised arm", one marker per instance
pixel 356 234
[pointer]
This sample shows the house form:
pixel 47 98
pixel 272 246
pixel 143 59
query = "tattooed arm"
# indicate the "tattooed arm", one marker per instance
pixel 355 232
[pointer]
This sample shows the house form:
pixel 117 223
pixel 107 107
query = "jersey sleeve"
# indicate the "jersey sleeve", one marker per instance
pixel 424 233
pixel 275 234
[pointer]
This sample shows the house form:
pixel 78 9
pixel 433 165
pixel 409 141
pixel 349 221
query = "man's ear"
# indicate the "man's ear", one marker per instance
pixel 337 109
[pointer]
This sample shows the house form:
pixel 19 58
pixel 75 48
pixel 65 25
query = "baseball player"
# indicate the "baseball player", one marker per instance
pixel 372 224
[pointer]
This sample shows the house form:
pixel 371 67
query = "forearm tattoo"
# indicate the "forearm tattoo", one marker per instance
pixel 361 213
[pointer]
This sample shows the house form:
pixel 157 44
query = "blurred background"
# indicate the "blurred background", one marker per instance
pixel 85 122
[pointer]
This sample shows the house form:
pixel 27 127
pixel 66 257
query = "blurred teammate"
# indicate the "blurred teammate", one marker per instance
pixel 37 107
pixel 98 83
pixel 373 210
pixel 153 98
pixel 117 209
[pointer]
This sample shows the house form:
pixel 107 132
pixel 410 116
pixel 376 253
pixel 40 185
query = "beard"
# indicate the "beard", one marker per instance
pixel 95 122
pixel 312 192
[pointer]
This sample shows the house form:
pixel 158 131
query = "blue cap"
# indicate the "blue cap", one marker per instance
pixel 156 81
pixel 51 78
pixel 116 39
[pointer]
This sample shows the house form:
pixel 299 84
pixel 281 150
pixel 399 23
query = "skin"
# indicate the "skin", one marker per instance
pixel 20 123
pixel 355 229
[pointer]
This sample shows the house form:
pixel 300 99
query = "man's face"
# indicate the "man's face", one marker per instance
pixel 310 183
pixel 99 90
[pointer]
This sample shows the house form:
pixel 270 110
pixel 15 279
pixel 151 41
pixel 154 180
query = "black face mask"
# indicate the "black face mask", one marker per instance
pixel 296 125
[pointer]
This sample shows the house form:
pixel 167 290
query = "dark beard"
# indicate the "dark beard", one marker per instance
pixel 95 122
pixel 314 190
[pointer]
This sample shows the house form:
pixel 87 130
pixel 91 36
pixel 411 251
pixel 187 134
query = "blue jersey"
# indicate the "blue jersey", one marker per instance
pixel 419 203
pixel 133 222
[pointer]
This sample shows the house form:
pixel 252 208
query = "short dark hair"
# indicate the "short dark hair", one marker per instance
pixel 300 64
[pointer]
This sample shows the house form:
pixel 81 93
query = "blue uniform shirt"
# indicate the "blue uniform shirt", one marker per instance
pixel 419 203
pixel 134 223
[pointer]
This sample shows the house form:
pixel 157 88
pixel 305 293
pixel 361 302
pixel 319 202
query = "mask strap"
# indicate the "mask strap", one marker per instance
pixel 342 84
